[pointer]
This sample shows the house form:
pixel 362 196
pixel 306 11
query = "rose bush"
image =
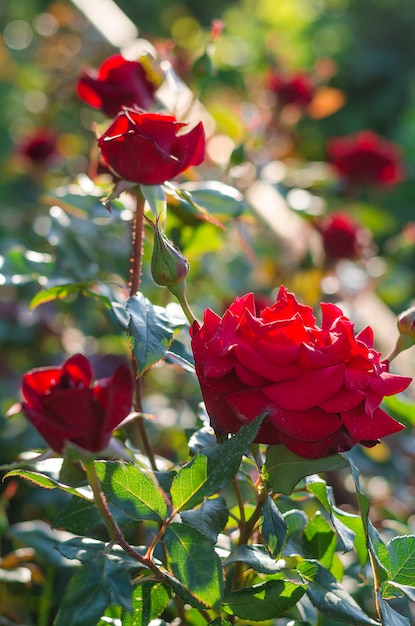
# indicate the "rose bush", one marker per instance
pixel 63 406
pixel 366 158
pixel 147 148
pixel 320 387
pixel 117 83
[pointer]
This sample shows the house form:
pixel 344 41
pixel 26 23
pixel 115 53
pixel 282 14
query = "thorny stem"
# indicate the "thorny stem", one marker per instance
pixel 137 245
pixel 114 530
pixel 137 429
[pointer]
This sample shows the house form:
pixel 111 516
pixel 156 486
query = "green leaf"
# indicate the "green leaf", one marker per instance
pixel 194 562
pixel 219 621
pixel 212 468
pixel 155 198
pixel 210 518
pixel 320 540
pixel 149 330
pixel 374 542
pixel 216 197
pixel 95 585
pixel 389 616
pixel 59 292
pixel 85 549
pixel 49 483
pixel 264 601
pixel 149 601
pixel 79 517
pixel 400 562
pixel 286 469
pixel 256 557
pixel 273 526
pixel 349 527
pixel 131 491
pixel 329 597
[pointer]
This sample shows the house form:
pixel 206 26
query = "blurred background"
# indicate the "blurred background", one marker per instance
pixel 277 83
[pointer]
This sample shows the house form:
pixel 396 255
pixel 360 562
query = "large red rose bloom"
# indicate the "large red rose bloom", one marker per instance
pixel 320 387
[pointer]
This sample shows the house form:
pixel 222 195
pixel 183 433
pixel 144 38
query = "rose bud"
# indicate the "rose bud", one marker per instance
pixel 168 266
pixel 150 148
pixel 64 406
pixel 117 83
pixel 320 387
pixel 406 323
pixel 366 158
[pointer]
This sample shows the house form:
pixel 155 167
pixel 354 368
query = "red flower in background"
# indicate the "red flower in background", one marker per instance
pixel 63 406
pixel 343 237
pixel 366 158
pixel 291 88
pixel 117 83
pixel 150 148
pixel 38 146
pixel 320 387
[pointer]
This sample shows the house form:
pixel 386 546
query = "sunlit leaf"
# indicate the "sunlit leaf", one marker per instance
pixel 149 601
pixel 286 469
pixel 149 331
pixel 194 562
pixel 212 468
pixel 129 489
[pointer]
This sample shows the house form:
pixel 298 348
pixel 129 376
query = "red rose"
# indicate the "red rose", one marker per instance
pixel 117 83
pixel 39 146
pixel 320 387
pixel 147 148
pixel 291 89
pixel 366 158
pixel 63 406
pixel 343 237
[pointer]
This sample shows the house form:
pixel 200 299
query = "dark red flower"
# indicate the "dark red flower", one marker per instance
pixel 39 145
pixel 63 406
pixel 366 158
pixel 343 237
pixel 150 148
pixel 319 387
pixel 117 83
pixel 291 88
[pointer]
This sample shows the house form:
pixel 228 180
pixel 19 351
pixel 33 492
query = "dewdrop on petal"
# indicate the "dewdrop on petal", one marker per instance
pixel 168 265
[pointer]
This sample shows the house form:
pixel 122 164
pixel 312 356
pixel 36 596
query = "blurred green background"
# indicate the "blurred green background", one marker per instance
pixel 361 55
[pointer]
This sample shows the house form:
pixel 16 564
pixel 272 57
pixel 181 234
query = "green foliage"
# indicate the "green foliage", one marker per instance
pixel 149 330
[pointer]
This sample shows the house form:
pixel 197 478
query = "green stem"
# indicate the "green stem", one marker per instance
pixel 114 530
pixel 137 245
pixel 137 428
pixel 179 291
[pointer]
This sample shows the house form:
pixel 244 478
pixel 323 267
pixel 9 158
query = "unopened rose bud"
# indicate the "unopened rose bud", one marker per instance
pixel 406 323
pixel 406 327
pixel 168 265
